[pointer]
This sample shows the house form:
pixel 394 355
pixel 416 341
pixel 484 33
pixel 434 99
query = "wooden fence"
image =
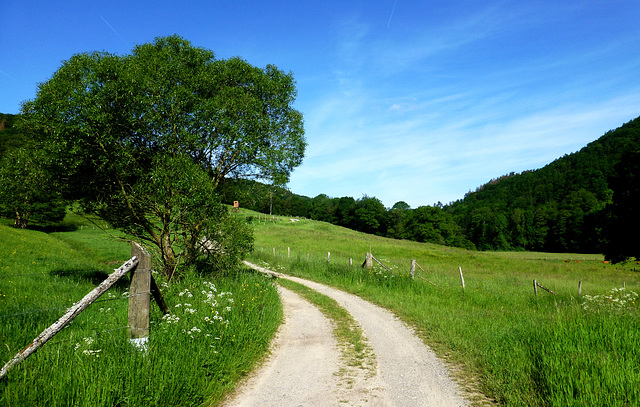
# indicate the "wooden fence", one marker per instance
pixel 142 285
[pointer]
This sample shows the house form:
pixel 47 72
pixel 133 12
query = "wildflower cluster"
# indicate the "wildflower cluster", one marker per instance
pixel 201 313
pixel 618 300
pixel 86 343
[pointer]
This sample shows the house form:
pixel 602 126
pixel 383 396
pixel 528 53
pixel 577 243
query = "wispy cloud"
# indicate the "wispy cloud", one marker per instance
pixel 7 75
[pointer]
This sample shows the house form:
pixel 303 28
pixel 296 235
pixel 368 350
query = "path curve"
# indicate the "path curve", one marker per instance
pixel 407 372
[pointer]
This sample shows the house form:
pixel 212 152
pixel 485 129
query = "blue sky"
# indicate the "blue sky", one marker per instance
pixel 419 101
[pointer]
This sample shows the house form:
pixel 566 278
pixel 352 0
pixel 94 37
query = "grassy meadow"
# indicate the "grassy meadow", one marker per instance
pixel 220 326
pixel 501 339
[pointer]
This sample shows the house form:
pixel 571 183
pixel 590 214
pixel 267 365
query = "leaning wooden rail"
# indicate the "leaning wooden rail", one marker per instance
pixel 72 312
pixel 537 284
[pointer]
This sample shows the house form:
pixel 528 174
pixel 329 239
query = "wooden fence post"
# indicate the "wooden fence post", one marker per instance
pixel 535 287
pixel 579 287
pixel 350 261
pixel 288 252
pixel 413 270
pixel 461 277
pixel 328 257
pixel 369 260
pixel 139 298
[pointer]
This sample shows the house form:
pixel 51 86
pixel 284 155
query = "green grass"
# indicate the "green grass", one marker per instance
pixel 219 328
pixel 515 347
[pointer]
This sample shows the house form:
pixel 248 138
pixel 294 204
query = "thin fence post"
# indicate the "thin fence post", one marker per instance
pixel 274 252
pixel 328 257
pixel 461 277
pixel 579 287
pixel 535 287
pixel 413 269
pixel 350 261
pixel 288 252
pixel 307 257
pixel 139 298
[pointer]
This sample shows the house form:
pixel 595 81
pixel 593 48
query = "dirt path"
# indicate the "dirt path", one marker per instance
pixel 305 368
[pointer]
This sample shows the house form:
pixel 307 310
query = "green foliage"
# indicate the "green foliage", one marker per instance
pixel 144 139
pixel 371 216
pixel 26 193
pixel 25 189
pixel 623 221
pixel 10 137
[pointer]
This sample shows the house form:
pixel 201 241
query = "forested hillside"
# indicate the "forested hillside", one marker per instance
pixel 556 208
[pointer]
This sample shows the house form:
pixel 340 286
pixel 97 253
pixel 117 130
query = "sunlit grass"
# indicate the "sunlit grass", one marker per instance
pixel 219 327
pixel 520 349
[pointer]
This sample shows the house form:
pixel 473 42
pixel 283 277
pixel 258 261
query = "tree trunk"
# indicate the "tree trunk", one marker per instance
pixel 21 221
pixel 168 255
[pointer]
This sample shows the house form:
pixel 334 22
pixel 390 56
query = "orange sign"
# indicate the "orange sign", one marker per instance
pixel 236 204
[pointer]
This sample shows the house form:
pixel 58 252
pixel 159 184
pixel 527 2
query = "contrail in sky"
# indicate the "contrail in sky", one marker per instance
pixel 9 76
pixel 391 16
pixel 113 29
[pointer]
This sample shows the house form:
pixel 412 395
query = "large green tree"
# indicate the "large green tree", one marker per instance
pixel 144 139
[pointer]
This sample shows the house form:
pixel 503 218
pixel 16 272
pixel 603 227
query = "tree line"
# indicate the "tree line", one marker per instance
pixel 585 202
pixel 366 214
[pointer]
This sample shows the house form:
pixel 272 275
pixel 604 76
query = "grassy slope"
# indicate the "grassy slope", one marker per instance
pixel 523 350
pixel 90 363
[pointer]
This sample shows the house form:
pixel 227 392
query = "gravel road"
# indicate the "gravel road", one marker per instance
pixel 306 367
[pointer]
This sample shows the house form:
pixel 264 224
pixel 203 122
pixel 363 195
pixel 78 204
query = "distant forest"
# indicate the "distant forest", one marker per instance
pixel 566 206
